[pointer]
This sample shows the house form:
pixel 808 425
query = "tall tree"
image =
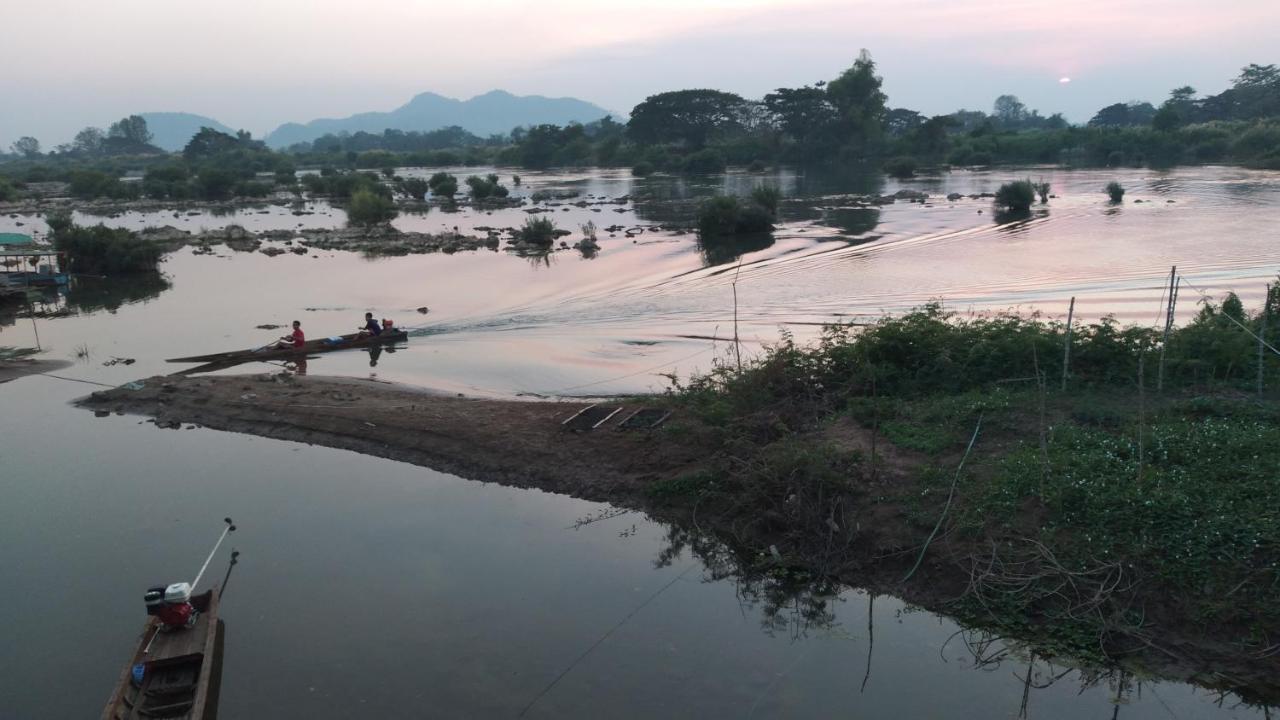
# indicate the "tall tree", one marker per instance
pixel 691 117
pixel 859 102
pixel 132 130
pixel 1009 111
pixel 89 140
pixel 27 146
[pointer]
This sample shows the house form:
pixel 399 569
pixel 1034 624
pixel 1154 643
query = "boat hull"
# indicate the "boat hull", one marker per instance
pixel 322 345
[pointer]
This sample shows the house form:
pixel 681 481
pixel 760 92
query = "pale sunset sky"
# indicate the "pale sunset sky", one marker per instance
pixel 254 64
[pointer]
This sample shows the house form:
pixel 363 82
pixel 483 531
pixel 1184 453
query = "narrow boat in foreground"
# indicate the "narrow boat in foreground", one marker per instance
pixel 311 347
pixel 176 670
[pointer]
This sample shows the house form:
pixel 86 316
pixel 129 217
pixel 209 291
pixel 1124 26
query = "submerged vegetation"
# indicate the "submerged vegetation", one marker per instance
pixel 100 250
pixel 1016 196
pixel 1115 191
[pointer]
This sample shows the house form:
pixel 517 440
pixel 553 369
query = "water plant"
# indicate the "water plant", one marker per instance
pixel 1016 196
pixel 1116 191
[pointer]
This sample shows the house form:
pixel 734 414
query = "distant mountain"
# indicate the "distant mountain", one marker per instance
pixel 173 130
pixel 494 112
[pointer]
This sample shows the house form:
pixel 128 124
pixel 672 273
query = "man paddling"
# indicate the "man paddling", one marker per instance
pixel 371 326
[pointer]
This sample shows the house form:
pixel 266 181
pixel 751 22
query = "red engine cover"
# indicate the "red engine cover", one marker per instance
pixel 176 615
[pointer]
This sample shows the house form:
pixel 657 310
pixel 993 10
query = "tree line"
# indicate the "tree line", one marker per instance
pixel 844 120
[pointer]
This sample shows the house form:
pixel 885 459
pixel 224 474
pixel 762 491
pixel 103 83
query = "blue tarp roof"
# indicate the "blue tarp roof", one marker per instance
pixel 15 239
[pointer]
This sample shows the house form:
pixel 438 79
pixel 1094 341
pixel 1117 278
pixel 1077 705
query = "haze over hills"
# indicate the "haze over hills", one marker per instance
pixel 172 130
pixel 496 111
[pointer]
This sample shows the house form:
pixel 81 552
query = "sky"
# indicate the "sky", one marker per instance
pixel 254 64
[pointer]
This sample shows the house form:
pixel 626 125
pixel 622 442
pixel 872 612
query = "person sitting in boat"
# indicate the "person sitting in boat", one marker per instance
pixel 371 326
pixel 295 340
pixel 388 326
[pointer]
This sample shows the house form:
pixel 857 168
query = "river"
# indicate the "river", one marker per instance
pixel 368 588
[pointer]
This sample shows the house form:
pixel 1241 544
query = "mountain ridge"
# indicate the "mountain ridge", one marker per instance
pixel 496 111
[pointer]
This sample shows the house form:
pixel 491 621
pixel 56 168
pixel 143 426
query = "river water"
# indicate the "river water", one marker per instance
pixel 367 588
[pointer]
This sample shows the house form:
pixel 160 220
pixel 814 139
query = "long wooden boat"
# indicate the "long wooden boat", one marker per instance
pixel 311 347
pixel 182 670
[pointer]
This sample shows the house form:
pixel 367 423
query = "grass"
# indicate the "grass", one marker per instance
pixel 1086 521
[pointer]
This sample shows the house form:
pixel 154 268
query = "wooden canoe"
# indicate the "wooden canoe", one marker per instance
pixel 183 670
pixel 311 347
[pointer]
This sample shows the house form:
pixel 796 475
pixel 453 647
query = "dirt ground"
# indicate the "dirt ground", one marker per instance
pixel 510 442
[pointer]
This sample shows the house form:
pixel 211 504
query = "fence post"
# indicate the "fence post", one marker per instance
pixel 1168 325
pixel 1066 344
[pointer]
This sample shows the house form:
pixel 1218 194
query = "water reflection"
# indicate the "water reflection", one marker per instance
pixel 727 249
pixel 86 294
pixel 852 221
pixel 801 605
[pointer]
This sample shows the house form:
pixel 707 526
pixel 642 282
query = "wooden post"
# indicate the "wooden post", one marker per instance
pixel 1168 324
pixel 1066 344
pixel 737 346
pixel 1142 411
pixel 1262 334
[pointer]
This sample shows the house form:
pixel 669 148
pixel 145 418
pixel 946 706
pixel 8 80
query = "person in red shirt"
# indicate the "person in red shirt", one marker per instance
pixel 295 340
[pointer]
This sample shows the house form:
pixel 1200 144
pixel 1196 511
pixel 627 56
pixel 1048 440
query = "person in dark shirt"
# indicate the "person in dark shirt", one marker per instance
pixel 371 326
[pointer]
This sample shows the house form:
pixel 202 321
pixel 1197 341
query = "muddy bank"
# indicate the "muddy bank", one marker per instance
pixel 514 443
pixel 871 542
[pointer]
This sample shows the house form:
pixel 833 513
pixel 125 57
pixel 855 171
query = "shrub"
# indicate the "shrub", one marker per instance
pixel 757 166
pixel 767 197
pixel 1016 196
pixel 515 180
pixel 901 167
pixel 100 250
pixel 724 216
pixel 415 188
pixel 443 185
pixel 252 189
pixel 1042 189
pixel 538 231
pixel 89 184
pixel 1116 191
pixel 368 208
pixel 7 190
pixel 644 168
pixel 704 162
pixel 486 187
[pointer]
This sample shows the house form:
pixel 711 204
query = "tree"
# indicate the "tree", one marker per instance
pixel 1166 118
pixel 801 112
pixel 900 121
pixel 89 141
pixel 132 130
pixel 691 117
pixel 209 143
pixel 1009 111
pixel 369 208
pixel 859 102
pixel 1132 114
pixel 27 146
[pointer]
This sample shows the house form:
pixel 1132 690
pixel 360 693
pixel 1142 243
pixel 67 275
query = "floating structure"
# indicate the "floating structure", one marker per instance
pixel 30 265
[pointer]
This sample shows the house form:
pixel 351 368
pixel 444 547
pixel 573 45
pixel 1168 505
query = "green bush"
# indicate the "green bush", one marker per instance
pixel 369 208
pixel 90 184
pixel 1016 196
pixel 538 231
pixel 7 190
pixel 415 188
pixel 901 167
pixel 443 185
pixel 486 187
pixel 1116 191
pixel 644 168
pixel 726 216
pixel 767 197
pixel 100 250
pixel 704 162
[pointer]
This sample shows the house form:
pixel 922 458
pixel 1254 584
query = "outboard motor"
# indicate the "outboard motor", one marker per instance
pixel 171 604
